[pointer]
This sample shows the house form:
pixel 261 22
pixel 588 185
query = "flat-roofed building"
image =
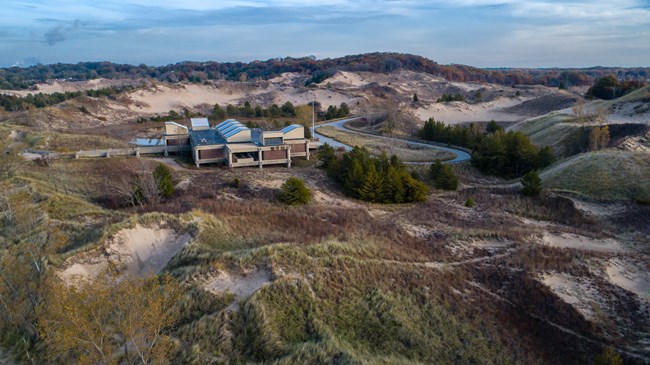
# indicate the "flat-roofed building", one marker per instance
pixel 234 144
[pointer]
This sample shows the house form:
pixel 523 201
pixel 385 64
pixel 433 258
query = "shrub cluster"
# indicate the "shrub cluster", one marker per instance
pixel 373 179
pixel 450 97
pixel 510 154
pixel 334 112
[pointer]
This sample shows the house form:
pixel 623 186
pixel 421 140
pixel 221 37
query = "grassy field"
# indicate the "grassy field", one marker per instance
pixel 376 146
pixel 606 175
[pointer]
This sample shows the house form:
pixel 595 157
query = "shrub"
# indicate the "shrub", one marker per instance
pixel 163 176
pixel 532 184
pixel 236 183
pixel 294 192
pixel 609 356
pixel 469 202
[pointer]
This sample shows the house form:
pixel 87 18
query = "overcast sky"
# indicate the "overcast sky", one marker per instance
pixel 537 33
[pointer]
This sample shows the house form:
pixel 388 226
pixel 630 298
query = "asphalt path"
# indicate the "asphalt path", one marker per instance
pixel 340 124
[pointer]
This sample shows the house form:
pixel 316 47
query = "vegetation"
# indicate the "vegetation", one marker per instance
pixel 373 179
pixel 507 154
pixel 41 100
pixel 334 112
pixel 510 154
pixel 445 98
pixel 598 138
pixel 110 320
pixel 609 356
pixel 469 202
pixel 609 88
pixel 438 131
pixel 443 176
pixel 531 183
pixel 163 176
pixel 604 175
pixel 294 192
pixel 320 70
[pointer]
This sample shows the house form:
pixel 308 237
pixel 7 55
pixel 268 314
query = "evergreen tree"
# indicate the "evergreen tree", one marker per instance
pixel 372 187
pixel 493 126
pixel 469 202
pixel 294 192
pixel 163 176
pixel 326 155
pixel 415 98
pixel 532 184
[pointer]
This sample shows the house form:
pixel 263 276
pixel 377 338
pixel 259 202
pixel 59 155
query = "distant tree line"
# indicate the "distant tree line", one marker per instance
pixel 287 110
pixel 374 179
pixel 494 152
pixel 334 112
pixel 41 100
pixel 608 88
pixel 319 70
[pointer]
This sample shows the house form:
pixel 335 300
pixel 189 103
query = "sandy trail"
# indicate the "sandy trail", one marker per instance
pixel 574 241
pixel 140 251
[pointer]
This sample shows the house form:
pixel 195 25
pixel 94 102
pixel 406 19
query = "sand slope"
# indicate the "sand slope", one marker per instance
pixel 138 251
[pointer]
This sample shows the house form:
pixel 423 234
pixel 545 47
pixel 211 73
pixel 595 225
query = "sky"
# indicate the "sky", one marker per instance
pixel 482 33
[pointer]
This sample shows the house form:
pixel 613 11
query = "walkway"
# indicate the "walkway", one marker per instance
pixel 461 156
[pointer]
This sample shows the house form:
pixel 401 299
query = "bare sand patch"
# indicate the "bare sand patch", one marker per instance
pixel 242 286
pixel 574 241
pixel 581 293
pixel 326 199
pixel 138 251
pixel 629 276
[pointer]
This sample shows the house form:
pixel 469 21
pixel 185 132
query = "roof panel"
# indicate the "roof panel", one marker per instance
pixel 200 122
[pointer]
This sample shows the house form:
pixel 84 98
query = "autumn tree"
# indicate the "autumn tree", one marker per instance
pixel 579 110
pixel 599 138
pixel 609 356
pixel 110 320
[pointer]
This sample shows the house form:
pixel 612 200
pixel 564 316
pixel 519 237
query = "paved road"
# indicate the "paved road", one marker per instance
pixel 340 124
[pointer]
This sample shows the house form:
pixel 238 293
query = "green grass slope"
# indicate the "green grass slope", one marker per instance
pixel 605 175
pixel 553 129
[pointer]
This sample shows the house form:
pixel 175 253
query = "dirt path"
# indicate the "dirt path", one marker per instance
pixel 461 156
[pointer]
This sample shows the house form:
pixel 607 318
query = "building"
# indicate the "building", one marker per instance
pixel 232 143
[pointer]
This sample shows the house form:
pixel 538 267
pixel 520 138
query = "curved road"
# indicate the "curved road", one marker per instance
pixel 340 124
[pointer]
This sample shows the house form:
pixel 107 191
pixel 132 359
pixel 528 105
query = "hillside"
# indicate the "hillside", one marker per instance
pixel 608 175
pixel 318 70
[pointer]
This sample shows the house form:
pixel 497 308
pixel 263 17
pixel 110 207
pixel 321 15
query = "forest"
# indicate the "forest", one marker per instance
pixel 16 78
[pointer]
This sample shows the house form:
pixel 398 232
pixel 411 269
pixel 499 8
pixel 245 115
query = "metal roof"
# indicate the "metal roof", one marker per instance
pixel 234 131
pixel 289 128
pixel 206 137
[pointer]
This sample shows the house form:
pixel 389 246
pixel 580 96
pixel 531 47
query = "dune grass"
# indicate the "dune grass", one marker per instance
pixel 603 175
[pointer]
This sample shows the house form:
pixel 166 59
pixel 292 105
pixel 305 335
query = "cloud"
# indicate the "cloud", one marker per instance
pixel 54 35
pixel 57 34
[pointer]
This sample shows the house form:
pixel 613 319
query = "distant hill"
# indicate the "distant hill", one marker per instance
pixel 16 78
